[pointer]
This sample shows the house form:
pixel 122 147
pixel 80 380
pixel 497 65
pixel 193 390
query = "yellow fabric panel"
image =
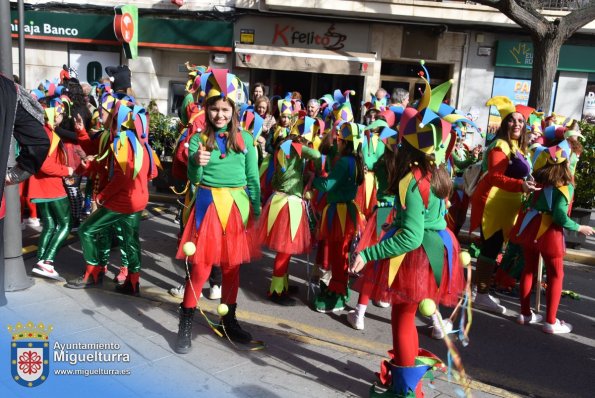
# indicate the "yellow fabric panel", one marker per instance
pixel 394 265
pixel 500 213
pixel 342 214
pixel 223 203
pixel 370 181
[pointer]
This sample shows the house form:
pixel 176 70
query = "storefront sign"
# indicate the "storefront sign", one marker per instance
pixel 589 106
pixel 126 29
pixel 518 54
pixel 296 33
pixel 152 32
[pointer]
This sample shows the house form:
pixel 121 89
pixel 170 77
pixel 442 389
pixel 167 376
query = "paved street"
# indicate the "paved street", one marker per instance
pixel 307 354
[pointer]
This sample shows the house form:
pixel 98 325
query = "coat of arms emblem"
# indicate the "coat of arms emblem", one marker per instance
pixel 29 353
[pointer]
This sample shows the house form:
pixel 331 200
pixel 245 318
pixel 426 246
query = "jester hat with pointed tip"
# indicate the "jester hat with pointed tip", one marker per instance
pixel 194 73
pixel 286 106
pixel 50 114
pixel 222 84
pixel 505 107
pixel 251 121
pixel 307 127
pixel 350 131
pixel 342 111
pixel 554 154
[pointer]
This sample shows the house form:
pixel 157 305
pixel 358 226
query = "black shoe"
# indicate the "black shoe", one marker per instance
pixel 232 329
pixel 127 288
pixel 84 283
pixel 282 299
pixel 184 341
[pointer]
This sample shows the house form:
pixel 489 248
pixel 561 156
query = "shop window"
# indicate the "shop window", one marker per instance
pixel 177 92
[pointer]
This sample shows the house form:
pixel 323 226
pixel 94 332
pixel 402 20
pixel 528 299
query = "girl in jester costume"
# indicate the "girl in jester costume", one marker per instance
pixel 287 117
pixel 497 197
pixel 223 162
pixel 539 231
pixel 418 257
pixel 341 218
pixel 284 226
pixel 131 165
pixel 48 192
pixel 382 215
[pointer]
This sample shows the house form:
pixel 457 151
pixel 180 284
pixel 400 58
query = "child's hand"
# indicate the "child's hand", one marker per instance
pixel 202 156
pixel 78 123
pixel 586 230
pixel 358 264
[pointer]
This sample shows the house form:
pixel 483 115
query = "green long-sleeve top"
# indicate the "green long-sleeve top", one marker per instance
pixel 372 150
pixel 412 224
pixel 560 203
pixel 291 181
pixel 462 160
pixel 236 169
pixel 340 184
pixel 382 178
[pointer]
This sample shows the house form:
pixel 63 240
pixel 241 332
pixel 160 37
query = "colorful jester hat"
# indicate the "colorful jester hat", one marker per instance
pixel 307 127
pixel 350 131
pixel 375 103
pixel 50 114
pixel 505 107
pixel 342 111
pixel 129 130
pixel 561 127
pixel 251 122
pixel 554 154
pixel 221 83
pixel 194 74
pixel 429 127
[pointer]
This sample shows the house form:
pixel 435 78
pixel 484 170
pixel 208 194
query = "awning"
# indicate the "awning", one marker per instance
pixel 305 60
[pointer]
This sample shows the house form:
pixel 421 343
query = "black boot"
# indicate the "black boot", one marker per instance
pixel 184 341
pixel 232 328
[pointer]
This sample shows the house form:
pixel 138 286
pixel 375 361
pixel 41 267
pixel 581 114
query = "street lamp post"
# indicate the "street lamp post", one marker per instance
pixel 12 267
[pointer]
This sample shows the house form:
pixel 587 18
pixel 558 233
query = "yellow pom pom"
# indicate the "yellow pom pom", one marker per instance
pixel 222 309
pixel 352 92
pixel 427 307
pixel 422 62
pixel 189 248
pixel 465 258
pixel 308 195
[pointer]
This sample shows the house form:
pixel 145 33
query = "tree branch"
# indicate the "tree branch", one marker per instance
pixel 523 14
pixel 578 18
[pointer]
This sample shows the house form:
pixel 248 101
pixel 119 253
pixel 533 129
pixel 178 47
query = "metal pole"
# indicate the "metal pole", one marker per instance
pixel 538 287
pixel 12 267
pixel 22 71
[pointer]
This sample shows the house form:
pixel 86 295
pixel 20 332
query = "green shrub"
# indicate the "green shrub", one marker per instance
pixel 584 196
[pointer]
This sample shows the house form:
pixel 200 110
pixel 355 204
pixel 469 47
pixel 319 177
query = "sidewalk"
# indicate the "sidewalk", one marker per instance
pixel 145 329
pixel 302 358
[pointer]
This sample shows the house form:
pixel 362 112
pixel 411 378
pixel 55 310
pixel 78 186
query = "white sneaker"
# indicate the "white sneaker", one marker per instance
pixel 528 319
pixel 381 304
pixel 355 321
pixel 178 292
pixel 33 222
pixel 438 332
pixel 484 301
pixel 557 328
pixel 474 293
pixel 46 269
pixel 214 292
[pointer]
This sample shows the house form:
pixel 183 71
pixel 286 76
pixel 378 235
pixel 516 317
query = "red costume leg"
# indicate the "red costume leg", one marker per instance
pixel 281 264
pixel 230 284
pixel 555 277
pixel 338 254
pixel 199 273
pixel 405 338
pixel 527 277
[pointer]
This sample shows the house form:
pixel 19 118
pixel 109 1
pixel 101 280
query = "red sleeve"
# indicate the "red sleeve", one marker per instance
pixel 497 165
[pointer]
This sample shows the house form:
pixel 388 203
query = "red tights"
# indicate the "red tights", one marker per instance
pixel 338 258
pixel 199 273
pixel 555 276
pixel 405 338
pixel 281 264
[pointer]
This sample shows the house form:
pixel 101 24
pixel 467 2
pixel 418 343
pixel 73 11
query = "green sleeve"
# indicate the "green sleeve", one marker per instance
pixel 252 176
pixel 194 170
pixel 336 176
pixel 409 237
pixel 560 212
pixel 310 153
pixel 462 164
